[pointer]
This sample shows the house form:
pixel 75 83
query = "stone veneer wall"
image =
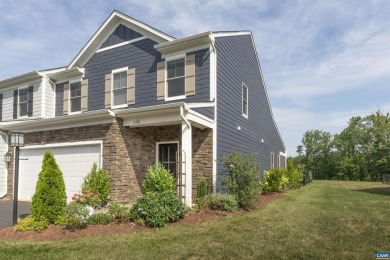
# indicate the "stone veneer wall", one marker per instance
pixel 127 152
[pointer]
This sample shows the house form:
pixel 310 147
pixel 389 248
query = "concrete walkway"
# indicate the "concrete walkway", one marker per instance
pixel 6 211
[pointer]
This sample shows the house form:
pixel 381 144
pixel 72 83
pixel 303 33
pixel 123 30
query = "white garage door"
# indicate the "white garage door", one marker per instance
pixel 74 161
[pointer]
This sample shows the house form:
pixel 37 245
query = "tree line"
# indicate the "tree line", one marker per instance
pixel 360 152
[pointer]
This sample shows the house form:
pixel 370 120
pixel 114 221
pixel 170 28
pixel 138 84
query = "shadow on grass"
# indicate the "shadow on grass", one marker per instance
pixel 385 191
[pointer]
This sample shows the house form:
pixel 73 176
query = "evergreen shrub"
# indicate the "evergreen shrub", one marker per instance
pixel 49 200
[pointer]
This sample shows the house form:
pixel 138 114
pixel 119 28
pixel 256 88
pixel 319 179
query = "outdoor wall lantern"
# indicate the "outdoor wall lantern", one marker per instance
pixel 7 157
pixel 17 140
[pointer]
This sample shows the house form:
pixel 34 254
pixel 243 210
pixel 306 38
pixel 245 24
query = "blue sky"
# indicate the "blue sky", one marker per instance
pixel 323 61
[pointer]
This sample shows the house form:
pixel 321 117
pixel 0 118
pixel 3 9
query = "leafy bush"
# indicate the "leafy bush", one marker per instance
pixel 201 192
pixel 98 183
pixel 76 216
pixel 87 198
pixel 155 209
pixel 274 180
pixel 241 176
pixel 30 223
pixel 49 199
pixel 294 177
pixel 119 212
pixel 100 219
pixel 158 179
pixel 218 201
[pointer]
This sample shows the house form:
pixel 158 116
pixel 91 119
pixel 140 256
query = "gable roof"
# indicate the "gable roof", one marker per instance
pixel 112 22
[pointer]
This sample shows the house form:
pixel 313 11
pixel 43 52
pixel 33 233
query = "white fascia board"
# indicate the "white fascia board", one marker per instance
pixel 200 105
pixel 152 120
pixel 226 34
pixel 75 72
pixel 75 120
pixel 107 28
pixel 188 44
pixel 22 79
pixel 266 92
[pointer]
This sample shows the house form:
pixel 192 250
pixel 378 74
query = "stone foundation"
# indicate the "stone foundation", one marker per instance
pixel 128 152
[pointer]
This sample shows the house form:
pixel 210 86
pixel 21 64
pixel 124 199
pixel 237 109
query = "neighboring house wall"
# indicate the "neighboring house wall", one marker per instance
pixel 8 101
pixel 49 99
pixel 237 64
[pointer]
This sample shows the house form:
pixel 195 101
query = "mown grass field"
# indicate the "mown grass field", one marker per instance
pixel 324 220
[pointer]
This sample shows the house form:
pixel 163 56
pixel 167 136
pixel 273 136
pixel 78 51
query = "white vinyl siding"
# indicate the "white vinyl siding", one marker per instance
pixel 49 99
pixel 3 169
pixel 8 101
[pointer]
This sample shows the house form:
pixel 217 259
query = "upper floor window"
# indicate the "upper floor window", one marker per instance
pixel 244 100
pixel 23 102
pixel 75 97
pixel 175 78
pixel 119 88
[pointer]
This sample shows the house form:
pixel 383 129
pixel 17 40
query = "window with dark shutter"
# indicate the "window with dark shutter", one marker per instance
pixel 30 101
pixel 15 105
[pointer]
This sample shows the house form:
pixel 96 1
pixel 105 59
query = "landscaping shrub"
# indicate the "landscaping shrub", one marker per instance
pixel 97 182
pixel 30 223
pixel 201 192
pixel 274 180
pixel 155 209
pixel 119 212
pixel 241 177
pixel 100 219
pixel 218 201
pixel 76 216
pixel 87 198
pixel 158 179
pixel 294 177
pixel 49 199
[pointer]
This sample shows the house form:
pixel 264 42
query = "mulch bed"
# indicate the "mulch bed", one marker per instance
pixel 55 233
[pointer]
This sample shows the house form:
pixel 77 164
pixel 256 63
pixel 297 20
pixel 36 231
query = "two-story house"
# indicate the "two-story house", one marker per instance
pixel 134 96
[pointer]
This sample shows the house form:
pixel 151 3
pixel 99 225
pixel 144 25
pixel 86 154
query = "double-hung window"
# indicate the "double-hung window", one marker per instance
pixel 244 100
pixel 75 97
pixel 119 88
pixel 23 102
pixel 175 78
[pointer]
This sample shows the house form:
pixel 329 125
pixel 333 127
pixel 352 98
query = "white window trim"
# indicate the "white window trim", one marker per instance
pixel 112 86
pixel 247 100
pixel 168 142
pixel 69 103
pixel 168 59
pixel 18 107
pixel 272 160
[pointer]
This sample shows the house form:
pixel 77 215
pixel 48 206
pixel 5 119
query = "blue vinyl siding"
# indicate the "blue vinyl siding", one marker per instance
pixel 237 64
pixel 206 111
pixel 121 34
pixel 142 56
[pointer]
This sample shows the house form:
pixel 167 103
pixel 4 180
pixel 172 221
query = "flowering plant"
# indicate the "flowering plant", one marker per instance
pixel 87 198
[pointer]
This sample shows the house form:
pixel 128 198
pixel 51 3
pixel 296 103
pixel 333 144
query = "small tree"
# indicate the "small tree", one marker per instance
pixel 97 182
pixel 49 200
pixel 242 178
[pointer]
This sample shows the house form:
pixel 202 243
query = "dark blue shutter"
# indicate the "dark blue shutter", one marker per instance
pixel 1 107
pixel 30 101
pixel 15 104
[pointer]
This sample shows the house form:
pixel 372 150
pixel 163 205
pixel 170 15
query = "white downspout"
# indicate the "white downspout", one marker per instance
pixel 186 146
pixel 6 171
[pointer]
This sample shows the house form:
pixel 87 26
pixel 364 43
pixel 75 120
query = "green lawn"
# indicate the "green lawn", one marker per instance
pixel 324 220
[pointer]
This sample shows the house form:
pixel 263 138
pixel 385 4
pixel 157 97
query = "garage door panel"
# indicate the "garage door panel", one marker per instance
pixel 74 162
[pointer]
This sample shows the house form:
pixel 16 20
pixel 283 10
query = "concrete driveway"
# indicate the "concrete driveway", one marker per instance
pixel 6 211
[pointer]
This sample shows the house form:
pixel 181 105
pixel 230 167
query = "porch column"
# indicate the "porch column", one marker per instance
pixel 186 145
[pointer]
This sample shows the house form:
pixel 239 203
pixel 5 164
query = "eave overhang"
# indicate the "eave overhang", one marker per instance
pixel 67 74
pixel 103 116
